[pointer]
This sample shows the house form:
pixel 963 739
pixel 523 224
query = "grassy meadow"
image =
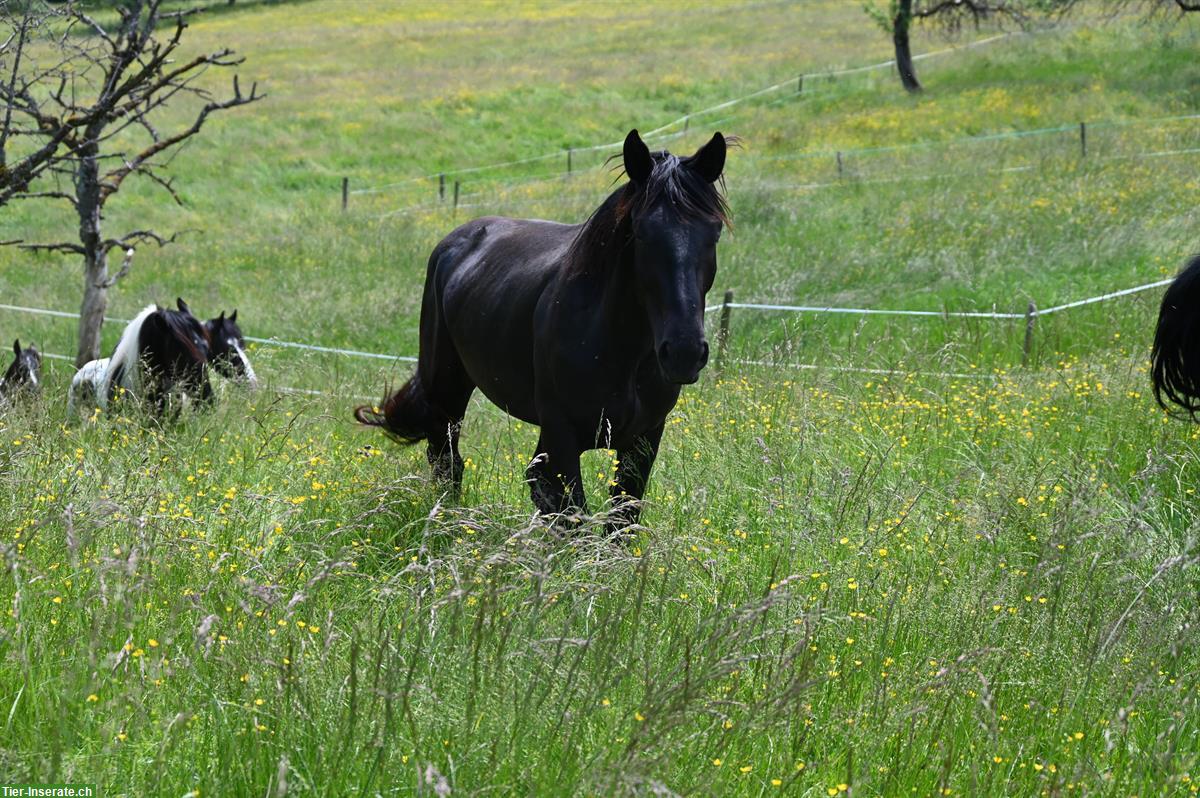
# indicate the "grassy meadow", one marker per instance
pixel 909 566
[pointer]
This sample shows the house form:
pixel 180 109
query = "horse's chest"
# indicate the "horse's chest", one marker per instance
pixel 631 410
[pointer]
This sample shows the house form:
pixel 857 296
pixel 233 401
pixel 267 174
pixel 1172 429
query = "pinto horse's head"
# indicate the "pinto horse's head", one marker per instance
pixel 228 354
pixel 25 373
pixel 677 214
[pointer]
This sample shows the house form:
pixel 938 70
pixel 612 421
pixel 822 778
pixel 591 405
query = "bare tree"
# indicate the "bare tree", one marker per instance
pixel 94 105
pixel 950 15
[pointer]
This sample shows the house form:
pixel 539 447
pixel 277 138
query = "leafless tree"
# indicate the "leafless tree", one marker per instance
pixel 898 17
pixel 87 109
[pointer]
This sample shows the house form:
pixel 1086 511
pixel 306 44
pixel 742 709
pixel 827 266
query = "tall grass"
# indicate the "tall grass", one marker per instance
pixel 947 576
pixel 893 584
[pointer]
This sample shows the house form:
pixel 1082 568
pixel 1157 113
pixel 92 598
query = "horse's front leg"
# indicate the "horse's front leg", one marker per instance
pixel 158 395
pixel 206 391
pixel 633 472
pixel 555 483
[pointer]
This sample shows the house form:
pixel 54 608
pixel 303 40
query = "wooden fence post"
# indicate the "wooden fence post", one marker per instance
pixel 1083 139
pixel 800 85
pixel 1030 320
pixel 456 196
pixel 839 163
pixel 345 192
pixel 568 160
pixel 723 329
pixel 442 187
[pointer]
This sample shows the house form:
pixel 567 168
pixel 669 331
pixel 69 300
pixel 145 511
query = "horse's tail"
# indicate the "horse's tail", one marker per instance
pixel 405 415
pixel 1175 357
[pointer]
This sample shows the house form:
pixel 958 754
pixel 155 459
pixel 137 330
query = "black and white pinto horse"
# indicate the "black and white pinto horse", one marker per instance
pixel 164 353
pixel 1175 356
pixel 587 330
pixel 24 376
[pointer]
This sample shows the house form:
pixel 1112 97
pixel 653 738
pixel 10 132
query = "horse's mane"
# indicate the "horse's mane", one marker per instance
pixel 608 230
pixel 123 361
pixel 180 326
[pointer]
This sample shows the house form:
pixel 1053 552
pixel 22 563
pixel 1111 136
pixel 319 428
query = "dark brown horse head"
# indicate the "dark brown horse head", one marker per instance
pixel 676 215
pixel 228 352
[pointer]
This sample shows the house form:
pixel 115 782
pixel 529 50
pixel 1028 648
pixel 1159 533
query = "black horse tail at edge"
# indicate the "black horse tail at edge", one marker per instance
pixel 404 415
pixel 1175 357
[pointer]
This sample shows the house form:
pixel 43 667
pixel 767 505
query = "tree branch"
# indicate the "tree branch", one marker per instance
pixel 48 195
pixel 122 272
pixel 130 239
pixel 65 246
pixel 111 182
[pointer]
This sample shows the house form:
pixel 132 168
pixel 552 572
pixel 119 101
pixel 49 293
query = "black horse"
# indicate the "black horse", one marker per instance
pixel 24 375
pixel 161 352
pixel 1175 357
pixel 588 330
pixel 227 352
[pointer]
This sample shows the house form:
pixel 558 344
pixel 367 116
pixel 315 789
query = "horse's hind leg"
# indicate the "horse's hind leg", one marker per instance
pixel 447 391
pixel 442 449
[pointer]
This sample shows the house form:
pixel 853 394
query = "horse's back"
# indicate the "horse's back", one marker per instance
pixel 520 253
pixel 482 291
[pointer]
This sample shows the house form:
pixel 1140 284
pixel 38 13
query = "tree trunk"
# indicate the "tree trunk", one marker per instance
pixel 904 63
pixel 95 257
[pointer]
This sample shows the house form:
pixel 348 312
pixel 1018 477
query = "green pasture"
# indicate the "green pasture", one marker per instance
pixel 880 556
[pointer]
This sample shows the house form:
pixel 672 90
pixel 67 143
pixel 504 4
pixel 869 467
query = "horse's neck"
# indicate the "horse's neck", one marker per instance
pixel 617 300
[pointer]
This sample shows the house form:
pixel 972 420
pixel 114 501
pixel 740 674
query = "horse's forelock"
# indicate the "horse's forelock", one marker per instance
pixel 222 328
pixel 692 197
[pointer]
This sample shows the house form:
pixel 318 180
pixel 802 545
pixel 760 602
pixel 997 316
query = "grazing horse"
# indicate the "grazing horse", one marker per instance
pixel 1175 356
pixel 228 349
pixel 24 375
pixel 588 331
pixel 160 352
pixel 226 352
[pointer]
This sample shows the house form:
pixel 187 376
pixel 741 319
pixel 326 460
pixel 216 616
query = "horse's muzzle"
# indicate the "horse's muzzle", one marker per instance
pixel 681 362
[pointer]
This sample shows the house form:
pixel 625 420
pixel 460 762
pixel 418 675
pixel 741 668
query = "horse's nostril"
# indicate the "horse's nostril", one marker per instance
pixel 664 352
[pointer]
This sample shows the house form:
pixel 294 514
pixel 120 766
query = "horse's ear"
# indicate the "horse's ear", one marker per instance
pixel 17 346
pixel 233 316
pixel 638 163
pixel 221 318
pixel 181 305
pixel 709 160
